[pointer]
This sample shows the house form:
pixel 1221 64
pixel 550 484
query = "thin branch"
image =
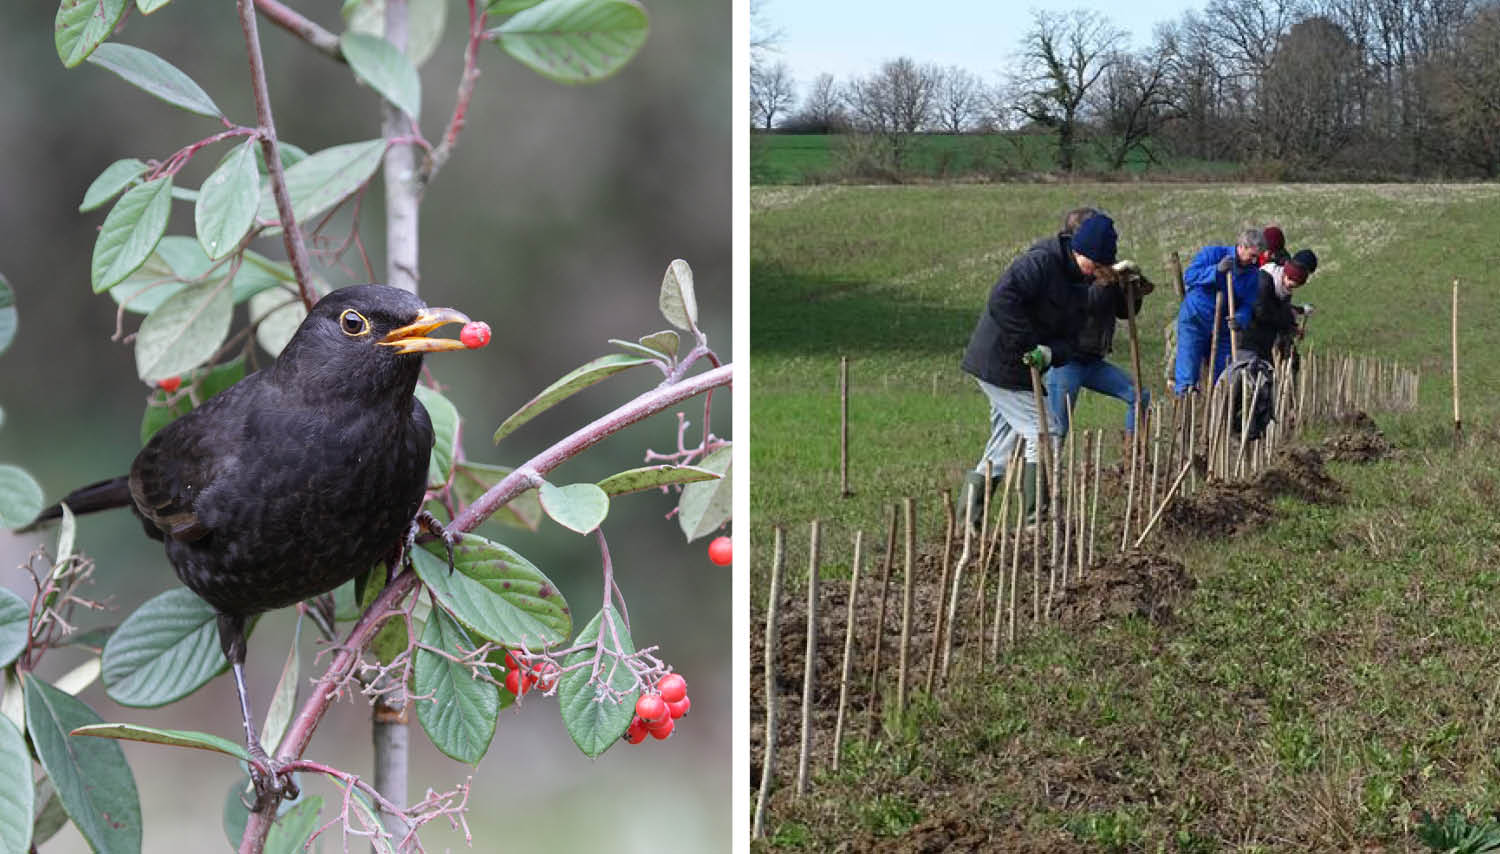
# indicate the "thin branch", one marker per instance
pixel 301 27
pixel 438 156
pixel 291 236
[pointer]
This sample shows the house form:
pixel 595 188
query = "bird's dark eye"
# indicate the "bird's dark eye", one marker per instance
pixel 353 323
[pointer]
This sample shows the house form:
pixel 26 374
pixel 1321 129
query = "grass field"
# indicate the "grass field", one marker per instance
pixel 1331 676
pixel 810 158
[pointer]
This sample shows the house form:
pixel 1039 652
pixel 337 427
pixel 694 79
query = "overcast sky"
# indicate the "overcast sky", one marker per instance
pixel 852 37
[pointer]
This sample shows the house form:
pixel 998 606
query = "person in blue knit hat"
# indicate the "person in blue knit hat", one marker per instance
pixel 1032 320
pixel 1211 273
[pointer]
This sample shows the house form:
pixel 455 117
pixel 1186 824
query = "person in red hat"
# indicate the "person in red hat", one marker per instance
pixel 1275 251
pixel 1273 320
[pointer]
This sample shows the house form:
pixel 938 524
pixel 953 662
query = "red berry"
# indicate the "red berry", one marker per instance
pixel 170 384
pixel 651 707
pixel 679 708
pixel 510 661
pixel 721 551
pixel 546 674
pixel 514 684
pixel 475 334
pixel 672 687
pixel 636 734
pixel 661 729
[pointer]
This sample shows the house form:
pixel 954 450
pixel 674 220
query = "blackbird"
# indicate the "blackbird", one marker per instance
pixel 297 478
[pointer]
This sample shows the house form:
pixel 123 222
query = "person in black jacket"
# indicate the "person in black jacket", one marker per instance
pixel 1089 368
pixel 1273 320
pixel 1032 320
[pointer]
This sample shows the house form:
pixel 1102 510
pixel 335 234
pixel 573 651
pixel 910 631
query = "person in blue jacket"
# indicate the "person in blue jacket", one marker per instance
pixel 1207 276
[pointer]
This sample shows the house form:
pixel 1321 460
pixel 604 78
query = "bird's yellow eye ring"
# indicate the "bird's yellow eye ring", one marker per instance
pixel 353 323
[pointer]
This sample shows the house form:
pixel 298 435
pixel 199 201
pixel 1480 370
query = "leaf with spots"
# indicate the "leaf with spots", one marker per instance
pixel 495 593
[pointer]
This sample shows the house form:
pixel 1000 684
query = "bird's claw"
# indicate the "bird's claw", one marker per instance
pixel 425 521
pixel 272 781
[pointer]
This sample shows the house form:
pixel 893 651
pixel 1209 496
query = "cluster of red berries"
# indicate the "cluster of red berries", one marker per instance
pixel 519 680
pixel 657 712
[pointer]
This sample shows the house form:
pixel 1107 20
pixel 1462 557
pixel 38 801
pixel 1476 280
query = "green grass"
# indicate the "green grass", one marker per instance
pixel 1331 676
pixel 810 158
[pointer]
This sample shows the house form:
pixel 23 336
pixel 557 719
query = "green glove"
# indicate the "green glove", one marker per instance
pixel 1038 357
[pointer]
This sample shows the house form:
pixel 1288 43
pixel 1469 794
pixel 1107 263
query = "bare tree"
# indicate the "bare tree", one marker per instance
pixel 772 92
pixel 959 100
pixel 822 108
pixel 765 37
pixel 1309 96
pixel 1131 102
pixel 1062 56
pixel 1468 88
pixel 893 103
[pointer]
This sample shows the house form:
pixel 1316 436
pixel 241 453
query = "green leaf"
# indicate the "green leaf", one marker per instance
pixel 163 652
pixel 156 76
pixel 227 202
pixel 575 381
pixel 92 779
pixel 172 737
pixel 20 497
pixel 205 383
pixel 579 506
pixel 115 177
pixel 425 20
pixel 184 331
pixel 8 316
pixel 82 25
pixel 385 69
pixel 509 7
pixel 445 422
pixel 495 593
pixel 294 827
pixel 284 698
pixel 460 716
pixel 15 620
pixel 649 477
pixel 594 720
pixel 665 342
pixel 706 506
pixel 279 314
pixel 51 817
pixel 17 796
pixel 677 302
pixel 178 261
pixel 326 178
pixel 149 6
pixel 471 480
pixel 575 41
pixel 130 232
pixel 67 532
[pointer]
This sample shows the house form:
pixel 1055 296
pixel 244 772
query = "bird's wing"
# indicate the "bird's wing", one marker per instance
pixel 181 462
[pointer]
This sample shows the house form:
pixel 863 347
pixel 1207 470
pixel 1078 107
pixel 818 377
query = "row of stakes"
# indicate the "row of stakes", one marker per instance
pixel 1183 444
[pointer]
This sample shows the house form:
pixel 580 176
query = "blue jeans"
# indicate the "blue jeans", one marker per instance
pixel 1194 336
pixel 1064 381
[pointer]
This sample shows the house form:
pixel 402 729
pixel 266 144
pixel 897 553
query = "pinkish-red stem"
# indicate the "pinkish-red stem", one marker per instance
pixel 438 156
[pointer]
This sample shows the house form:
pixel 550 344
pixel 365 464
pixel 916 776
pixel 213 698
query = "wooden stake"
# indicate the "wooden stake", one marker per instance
pixel 838 724
pixel 810 662
pixel 1166 499
pixel 909 512
pixel 937 630
pixel 768 752
pixel 885 586
pixel 1458 423
pixel 844 428
pixel 1015 566
pixel 1094 492
pixel 1177 276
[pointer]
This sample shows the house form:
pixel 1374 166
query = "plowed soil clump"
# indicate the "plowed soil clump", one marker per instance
pixel 1357 447
pixel 1299 472
pixel 1135 583
pixel 1225 509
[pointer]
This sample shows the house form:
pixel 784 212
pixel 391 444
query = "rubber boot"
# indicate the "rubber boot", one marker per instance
pixel 1028 492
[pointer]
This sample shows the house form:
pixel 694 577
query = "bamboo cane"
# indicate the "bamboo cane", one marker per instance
pixel 1094 492
pixel 838 724
pixel 1137 410
pixel 885 586
pixel 937 630
pixel 843 431
pixel 810 662
pixel 1015 566
pixel 909 514
pixel 768 750
pixel 1166 499
pixel 1458 423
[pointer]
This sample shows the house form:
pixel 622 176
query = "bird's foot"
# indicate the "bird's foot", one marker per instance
pixel 425 521
pixel 273 782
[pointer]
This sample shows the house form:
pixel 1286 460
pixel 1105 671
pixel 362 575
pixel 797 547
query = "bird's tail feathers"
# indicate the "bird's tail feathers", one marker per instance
pixel 104 495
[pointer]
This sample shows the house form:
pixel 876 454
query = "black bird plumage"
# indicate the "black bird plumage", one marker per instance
pixel 297 478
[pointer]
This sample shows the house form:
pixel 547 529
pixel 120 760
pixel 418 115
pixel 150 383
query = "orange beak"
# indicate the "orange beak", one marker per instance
pixel 412 338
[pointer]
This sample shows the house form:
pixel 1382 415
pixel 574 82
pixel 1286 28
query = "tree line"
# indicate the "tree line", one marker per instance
pixel 1301 88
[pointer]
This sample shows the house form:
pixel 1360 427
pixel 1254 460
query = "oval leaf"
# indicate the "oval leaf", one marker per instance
pixel 385 69
pixel 294 827
pixel 576 380
pixel 15 620
pixel 17 796
pixel 677 302
pixel 8 316
pixel 284 698
pixel 471 480
pixel 444 417
pixel 508 7
pixel 149 6
pixel 227 202
pixel 130 232
pixel 664 342
pixel 82 25
pixel 579 506
pixel 184 331
pixel 575 41
pixel 163 652
pixel 326 178
pixel 173 737
pixel 156 76
pixel 648 477
pixel 115 177
pixel 496 593
pixel 20 497
pixel 95 785
pixel 594 720
pixel 425 20
pixel 460 715
pixel 704 507
pixel 278 314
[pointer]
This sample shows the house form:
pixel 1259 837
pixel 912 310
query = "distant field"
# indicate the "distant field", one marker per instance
pixel 1329 678
pixel 809 158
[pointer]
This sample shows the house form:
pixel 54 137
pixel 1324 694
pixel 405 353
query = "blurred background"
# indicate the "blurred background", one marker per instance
pixel 554 221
